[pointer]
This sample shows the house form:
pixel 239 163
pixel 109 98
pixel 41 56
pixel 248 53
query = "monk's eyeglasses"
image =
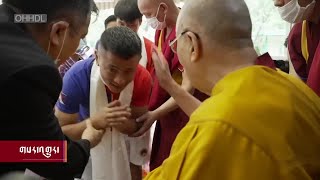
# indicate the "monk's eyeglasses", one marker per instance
pixel 174 43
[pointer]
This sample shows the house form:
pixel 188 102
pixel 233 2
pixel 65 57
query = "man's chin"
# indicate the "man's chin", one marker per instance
pixel 115 90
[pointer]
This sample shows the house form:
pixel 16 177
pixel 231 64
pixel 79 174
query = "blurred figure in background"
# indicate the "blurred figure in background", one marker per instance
pixel 128 14
pixel 110 22
pixel 83 52
pixel 304 38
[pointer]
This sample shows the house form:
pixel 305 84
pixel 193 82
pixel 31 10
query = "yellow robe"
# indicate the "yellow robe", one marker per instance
pixel 259 124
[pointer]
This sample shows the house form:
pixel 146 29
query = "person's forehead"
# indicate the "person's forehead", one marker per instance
pixel 147 6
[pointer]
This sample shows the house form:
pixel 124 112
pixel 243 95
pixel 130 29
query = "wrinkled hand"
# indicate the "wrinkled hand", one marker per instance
pixel 92 135
pixel 161 67
pixel 147 119
pixel 128 127
pixel 112 115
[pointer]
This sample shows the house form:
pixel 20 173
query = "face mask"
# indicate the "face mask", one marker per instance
pixel 56 61
pixel 155 23
pixel 292 12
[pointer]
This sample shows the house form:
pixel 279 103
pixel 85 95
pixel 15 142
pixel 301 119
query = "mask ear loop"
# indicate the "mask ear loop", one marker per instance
pixel 165 15
pixel 64 38
pixel 49 45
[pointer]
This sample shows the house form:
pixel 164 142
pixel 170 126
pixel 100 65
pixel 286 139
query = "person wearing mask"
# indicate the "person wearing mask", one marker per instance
pixel 30 81
pixel 162 16
pixel 303 41
pixel 128 14
pixel 111 85
pixel 239 132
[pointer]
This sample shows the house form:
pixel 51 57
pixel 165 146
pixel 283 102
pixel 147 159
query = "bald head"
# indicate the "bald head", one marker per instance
pixel 165 11
pixel 280 3
pixel 215 42
pixel 147 4
pixel 225 22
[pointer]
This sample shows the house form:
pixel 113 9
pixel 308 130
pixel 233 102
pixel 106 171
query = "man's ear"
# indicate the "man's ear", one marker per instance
pixel 57 33
pixel 195 48
pixel 165 7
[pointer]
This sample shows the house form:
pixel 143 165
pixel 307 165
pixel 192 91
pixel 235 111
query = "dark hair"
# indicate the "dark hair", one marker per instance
pixel 286 42
pixel 57 9
pixel 111 18
pixel 127 10
pixel 121 41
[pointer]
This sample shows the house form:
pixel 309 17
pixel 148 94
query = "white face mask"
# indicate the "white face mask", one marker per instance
pixel 155 23
pixel 292 12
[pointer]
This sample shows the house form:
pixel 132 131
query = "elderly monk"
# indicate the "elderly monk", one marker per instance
pixel 162 16
pixel 303 41
pixel 259 123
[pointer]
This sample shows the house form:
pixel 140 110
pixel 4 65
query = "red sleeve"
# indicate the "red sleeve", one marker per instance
pixel 314 78
pixel 295 52
pixel 142 88
pixel 148 47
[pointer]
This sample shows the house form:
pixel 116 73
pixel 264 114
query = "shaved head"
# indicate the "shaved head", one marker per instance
pixel 164 10
pixel 214 39
pixel 226 22
pixel 147 4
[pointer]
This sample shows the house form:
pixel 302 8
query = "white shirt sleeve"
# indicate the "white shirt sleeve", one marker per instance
pixel 139 151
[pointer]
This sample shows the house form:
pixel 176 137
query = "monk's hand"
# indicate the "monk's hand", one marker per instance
pixel 112 115
pixel 162 68
pixel 127 127
pixel 147 119
pixel 91 134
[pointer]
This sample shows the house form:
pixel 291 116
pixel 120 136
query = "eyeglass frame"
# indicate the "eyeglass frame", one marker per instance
pixel 171 43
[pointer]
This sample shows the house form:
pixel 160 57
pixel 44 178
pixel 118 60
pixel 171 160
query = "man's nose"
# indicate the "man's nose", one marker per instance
pixel 119 80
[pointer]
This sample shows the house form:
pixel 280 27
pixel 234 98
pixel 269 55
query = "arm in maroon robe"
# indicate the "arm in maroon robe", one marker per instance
pixel 314 74
pixel 295 52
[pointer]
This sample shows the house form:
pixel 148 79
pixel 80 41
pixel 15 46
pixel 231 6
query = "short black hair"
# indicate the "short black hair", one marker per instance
pixel 111 18
pixel 57 9
pixel 121 41
pixel 127 10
